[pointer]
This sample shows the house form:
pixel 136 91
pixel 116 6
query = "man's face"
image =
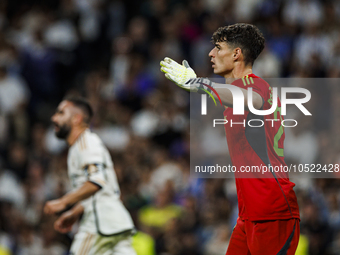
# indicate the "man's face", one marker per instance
pixel 222 58
pixel 62 119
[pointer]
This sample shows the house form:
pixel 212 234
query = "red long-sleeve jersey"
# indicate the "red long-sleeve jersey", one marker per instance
pixel 261 196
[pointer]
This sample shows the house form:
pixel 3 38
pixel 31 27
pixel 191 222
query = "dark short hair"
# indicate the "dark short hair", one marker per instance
pixel 83 104
pixel 246 36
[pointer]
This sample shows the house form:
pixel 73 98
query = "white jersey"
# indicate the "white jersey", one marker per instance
pixel 104 213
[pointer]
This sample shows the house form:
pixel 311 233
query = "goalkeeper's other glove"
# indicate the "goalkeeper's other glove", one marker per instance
pixel 184 76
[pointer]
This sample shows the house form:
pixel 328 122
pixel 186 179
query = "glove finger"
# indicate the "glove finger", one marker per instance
pixel 172 62
pixel 168 60
pixel 170 77
pixel 165 64
pixel 169 70
pixel 166 70
pixel 185 64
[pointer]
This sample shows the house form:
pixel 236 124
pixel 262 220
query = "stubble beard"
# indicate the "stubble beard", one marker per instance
pixel 63 132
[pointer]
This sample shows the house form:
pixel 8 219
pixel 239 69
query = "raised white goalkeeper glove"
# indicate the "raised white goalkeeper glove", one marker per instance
pixel 184 76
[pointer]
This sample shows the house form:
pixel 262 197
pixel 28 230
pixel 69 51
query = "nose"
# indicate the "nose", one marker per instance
pixel 212 53
pixel 54 118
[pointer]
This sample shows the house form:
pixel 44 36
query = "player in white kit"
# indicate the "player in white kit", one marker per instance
pixel 106 226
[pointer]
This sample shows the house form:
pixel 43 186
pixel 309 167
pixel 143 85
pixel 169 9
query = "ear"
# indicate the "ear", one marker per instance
pixel 77 119
pixel 237 52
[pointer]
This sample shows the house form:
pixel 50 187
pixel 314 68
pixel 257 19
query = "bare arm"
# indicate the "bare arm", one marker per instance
pixel 65 222
pixel 85 191
pixel 71 198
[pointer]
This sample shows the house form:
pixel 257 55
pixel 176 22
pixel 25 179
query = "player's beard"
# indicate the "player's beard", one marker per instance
pixel 63 131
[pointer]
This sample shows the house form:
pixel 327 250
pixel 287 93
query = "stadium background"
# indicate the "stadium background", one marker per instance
pixel 109 51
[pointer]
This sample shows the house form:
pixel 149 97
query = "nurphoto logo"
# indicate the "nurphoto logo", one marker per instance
pixel 239 106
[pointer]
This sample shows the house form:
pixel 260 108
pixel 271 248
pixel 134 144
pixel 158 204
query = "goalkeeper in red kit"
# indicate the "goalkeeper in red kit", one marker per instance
pixel 268 222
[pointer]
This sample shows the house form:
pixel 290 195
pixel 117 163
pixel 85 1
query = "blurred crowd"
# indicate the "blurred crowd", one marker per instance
pixel 109 51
